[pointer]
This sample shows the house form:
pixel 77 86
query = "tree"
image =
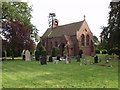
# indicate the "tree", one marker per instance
pixel 55 51
pixel 96 40
pixel 16 26
pixel 80 53
pixel 17 37
pixel 111 33
pixel 19 11
pixel 40 50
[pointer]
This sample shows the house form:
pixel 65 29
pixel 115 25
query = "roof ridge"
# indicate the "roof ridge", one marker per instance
pixel 70 23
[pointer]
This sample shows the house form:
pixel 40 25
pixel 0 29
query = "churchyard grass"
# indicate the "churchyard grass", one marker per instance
pixel 22 74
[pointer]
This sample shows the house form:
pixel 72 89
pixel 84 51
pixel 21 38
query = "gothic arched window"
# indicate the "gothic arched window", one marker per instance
pixel 82 40
pixel 87 40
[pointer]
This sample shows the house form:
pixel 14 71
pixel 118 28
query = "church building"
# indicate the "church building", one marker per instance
pixel 70 37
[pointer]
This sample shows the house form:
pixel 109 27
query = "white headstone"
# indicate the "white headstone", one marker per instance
pixel 55 61
pixel 27 55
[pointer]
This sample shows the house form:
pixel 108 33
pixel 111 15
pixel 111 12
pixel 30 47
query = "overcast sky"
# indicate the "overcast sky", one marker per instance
pixel 69 11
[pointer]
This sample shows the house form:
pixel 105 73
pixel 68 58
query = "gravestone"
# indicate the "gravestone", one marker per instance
pixel 107 61
pixel 43 60
pixel 50 59
pixel 78 58
pixel 55 61
pixel 67 60
pixel 96 59
pixel 27 55
pixel 58 58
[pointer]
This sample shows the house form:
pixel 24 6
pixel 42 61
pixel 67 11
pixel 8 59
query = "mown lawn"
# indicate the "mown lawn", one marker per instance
pixel 22 74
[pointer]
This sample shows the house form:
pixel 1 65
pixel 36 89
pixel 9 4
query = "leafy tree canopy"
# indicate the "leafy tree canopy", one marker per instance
pixel 17 29
pixel 111 33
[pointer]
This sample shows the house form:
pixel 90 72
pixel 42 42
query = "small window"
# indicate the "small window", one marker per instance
pixel 84 30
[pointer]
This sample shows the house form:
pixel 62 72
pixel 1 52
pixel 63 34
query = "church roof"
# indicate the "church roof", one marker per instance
pixel 68 29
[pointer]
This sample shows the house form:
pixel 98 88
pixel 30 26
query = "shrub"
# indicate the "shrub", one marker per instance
pixel 9 53
pixel 39 52
pixel 111 51
pixel 40 49
pixel 104 51
pixel 97 51
pixel 55 51
pixel 114 51
pixel 44 52
pixel 3 53
pixel 37 55
pixel 80 52
pixel 17 53
pixel 117 51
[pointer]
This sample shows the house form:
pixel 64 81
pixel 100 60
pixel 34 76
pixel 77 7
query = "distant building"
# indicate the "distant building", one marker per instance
pixel 70 38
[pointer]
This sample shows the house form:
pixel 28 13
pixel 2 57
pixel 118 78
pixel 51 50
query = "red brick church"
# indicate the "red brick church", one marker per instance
pixel 70 37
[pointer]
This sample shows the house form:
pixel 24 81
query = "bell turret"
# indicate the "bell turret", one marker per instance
pixel 55 23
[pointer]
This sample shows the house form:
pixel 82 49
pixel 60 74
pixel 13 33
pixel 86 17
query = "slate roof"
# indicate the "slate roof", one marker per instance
pixel 68 29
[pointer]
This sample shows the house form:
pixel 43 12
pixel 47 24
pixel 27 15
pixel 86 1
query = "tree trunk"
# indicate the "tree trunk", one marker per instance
pixel 12 54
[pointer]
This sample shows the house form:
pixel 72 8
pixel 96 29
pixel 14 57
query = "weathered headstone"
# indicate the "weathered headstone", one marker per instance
pixel 107 61
pixel 43 60
pixel 67 60
pixel 58 58
pixel 27 55
pixel 78 58
pixel 50 59
pixel 96 59
pixel 55 61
